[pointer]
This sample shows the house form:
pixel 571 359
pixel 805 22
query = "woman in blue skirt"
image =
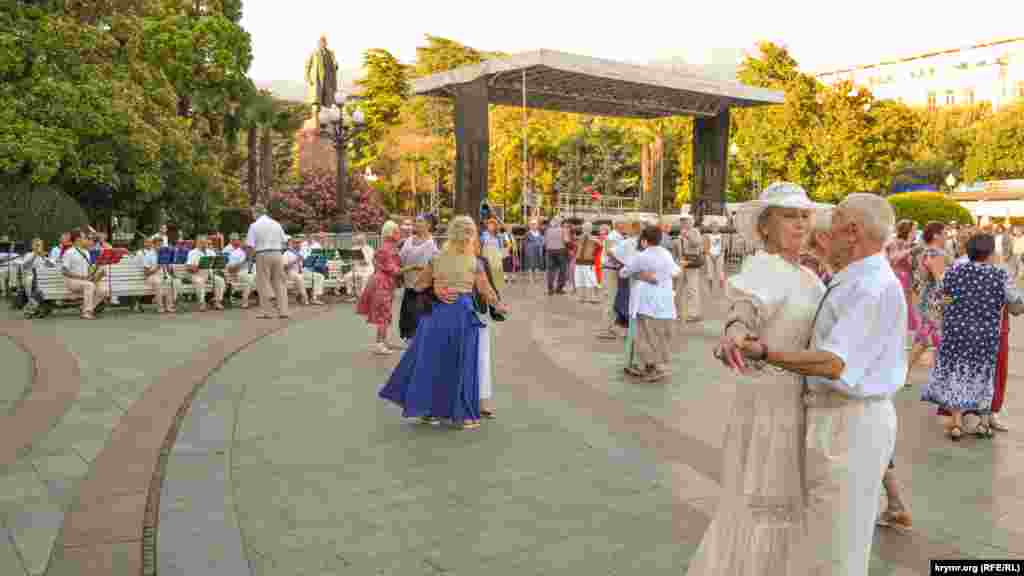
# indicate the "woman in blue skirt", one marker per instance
pixel 438 376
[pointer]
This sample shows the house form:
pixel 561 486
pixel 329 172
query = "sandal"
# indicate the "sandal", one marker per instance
pixel 655 376
pixel 982 431
pixel 488 414
pixel 429 420
pixel 997 424
pixel 955 433
pixel 899 520
pixel 634 372
pixel 468 425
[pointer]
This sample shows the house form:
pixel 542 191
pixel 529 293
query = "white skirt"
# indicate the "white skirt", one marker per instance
pixel 486 374
pixel 586 277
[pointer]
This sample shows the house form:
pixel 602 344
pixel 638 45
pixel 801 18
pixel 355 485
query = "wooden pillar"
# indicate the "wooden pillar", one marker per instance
pixel 471 147
pixel 710 165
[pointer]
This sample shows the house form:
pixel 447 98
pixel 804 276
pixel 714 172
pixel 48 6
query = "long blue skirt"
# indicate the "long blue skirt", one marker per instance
pixel 439 374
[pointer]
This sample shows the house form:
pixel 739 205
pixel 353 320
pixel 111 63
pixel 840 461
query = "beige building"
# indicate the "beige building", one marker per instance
pixel 990 72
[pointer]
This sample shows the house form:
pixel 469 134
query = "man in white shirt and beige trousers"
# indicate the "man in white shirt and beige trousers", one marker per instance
pixel 267 241
pixel 856 361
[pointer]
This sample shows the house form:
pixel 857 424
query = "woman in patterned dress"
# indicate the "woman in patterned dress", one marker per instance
pixel 963 378
pixel 931 266
pixel 376 299
pixel 898 252
pixel 416 252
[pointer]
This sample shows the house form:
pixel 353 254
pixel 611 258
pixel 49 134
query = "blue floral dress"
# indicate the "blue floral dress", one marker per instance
pixel 965 367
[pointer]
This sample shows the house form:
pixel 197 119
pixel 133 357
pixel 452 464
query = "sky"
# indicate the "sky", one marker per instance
pixel 822 34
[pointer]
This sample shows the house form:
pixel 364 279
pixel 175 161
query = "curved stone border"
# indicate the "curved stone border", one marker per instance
pixel 111 528
pixel 55 385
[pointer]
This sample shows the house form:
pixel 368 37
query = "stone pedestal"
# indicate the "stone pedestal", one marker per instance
pixel 315 153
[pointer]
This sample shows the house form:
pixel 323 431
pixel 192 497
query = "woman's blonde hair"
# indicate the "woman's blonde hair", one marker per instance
pixel 461 232
pixel 388 229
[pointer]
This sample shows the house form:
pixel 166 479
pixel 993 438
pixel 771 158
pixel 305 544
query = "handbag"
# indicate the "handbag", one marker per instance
pixel 485 309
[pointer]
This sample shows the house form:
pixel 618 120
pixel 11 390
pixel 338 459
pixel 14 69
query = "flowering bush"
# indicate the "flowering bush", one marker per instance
pixel 309 205
pixel 368 215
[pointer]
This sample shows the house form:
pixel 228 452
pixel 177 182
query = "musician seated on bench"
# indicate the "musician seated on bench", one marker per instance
pixel 201 277
pixel 153 275
pixel 80 277
pixel 293 270
pixel 239 263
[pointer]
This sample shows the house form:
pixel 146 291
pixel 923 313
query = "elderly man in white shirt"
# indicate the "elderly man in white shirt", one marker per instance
pixel 153 276
pixel 652 305
pixel 78 277
pixel 855 363
pixel 293 270
pixel 266 240
pixel 201 277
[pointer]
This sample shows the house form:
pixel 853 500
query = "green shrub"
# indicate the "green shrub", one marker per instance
pixel 925 207
pixel 37 212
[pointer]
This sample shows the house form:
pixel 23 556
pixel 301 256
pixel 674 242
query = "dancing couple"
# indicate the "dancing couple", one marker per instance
pixel 813 426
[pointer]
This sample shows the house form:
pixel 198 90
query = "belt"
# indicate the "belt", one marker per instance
pixel 835 398
pixel 268 251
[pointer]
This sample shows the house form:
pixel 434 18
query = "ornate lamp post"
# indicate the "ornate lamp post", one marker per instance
pixel 340 132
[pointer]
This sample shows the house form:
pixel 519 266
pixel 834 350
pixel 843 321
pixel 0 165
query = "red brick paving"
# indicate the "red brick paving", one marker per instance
pixel 55 385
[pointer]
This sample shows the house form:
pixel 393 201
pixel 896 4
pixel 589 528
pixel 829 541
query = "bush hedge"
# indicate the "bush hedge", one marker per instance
pixel 925 207
pixel 37 212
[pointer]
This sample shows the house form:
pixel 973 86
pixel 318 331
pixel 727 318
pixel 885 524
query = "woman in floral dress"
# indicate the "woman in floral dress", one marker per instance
pixel 376 299
pixel 963 378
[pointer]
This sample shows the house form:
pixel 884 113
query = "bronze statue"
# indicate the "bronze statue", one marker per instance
pixel 322 77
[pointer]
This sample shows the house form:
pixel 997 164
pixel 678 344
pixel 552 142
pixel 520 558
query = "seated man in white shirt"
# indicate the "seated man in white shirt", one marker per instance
pixel 651 305
pixel 293 270
pixel 201 277
pixel 153 276
pixel 241 266
pixel 78 277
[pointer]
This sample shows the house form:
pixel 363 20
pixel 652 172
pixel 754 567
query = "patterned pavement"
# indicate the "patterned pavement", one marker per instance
pixel 286 462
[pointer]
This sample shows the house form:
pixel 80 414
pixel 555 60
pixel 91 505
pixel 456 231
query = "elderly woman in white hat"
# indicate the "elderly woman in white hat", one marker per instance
pixel 773 299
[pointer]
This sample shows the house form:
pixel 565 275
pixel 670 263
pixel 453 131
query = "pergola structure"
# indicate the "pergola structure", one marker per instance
pixel 551 80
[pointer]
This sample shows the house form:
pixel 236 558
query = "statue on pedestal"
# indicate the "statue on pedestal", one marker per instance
pixel 321 77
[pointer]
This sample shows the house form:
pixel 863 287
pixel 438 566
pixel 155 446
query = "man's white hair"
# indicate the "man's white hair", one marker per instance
pixel 872 212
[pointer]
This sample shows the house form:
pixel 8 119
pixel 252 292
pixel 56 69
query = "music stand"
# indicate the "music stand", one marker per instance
pixel 109 257
pixel 354 256
pixel 206 262
pixel 165 256
pixel 219 262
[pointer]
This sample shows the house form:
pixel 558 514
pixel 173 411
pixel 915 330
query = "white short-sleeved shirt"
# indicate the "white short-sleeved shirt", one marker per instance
pixel 652 300
pixel 75 262
pixel 293 261
pixel 625 252
pixel 863 321
pixel 265 235
pixel 195 254
pixel 235 255
pixel 150 259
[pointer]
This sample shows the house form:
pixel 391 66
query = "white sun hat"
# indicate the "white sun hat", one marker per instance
pixel 778 195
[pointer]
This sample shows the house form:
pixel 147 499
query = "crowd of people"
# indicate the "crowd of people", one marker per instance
pixel 74 256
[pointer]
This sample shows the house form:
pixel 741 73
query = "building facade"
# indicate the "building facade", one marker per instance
pixel 991 72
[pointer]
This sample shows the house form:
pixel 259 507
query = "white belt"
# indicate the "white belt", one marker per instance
pixel 833 398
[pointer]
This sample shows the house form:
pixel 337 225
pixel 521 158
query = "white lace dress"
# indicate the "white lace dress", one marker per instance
pixel 760 516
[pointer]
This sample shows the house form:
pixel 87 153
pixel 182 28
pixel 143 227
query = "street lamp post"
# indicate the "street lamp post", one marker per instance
pixel 335 128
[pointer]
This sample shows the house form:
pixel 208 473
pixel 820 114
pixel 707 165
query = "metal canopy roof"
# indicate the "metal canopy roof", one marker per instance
pixel 584 85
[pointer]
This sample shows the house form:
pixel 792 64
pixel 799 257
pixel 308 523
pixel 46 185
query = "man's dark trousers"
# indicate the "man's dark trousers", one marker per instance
pixel 558 261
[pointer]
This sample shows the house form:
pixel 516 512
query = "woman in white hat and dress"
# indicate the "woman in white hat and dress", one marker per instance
pixel 759 522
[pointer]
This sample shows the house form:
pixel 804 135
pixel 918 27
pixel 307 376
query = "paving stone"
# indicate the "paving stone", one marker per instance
pixel 10 562
pixel 18 371
pixel 35 531
pixel 65 465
